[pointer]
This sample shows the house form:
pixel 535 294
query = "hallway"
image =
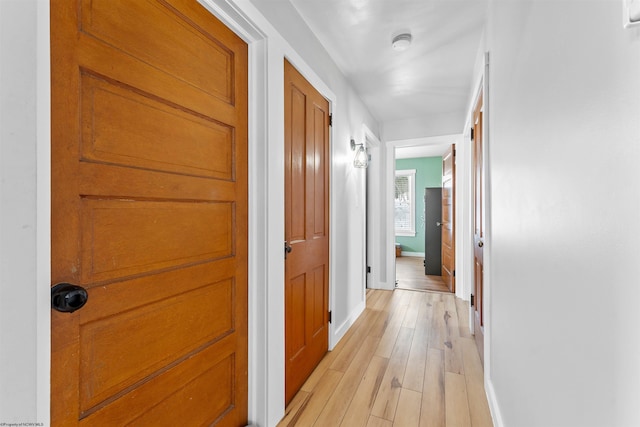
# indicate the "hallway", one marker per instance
pixel 409 360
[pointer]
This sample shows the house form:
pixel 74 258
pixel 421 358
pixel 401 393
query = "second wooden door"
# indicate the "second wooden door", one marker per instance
pixel 448 218
pixel 306 228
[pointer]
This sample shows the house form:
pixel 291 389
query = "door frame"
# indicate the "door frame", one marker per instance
pixel 481 86
pixel 389 179
pixel 267 50
pixel 486 255
pixel 374 216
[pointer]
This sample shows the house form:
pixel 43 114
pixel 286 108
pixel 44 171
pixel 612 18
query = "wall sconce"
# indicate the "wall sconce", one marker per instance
pixel 361 160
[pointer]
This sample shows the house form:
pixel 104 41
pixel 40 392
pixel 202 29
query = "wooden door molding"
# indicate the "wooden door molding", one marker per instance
pixel 478 225
pixel 149 214
pixel 448 218
pixel 306 228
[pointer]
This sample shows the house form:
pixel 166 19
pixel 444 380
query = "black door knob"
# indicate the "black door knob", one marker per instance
pixel 287 249
pixel 68 298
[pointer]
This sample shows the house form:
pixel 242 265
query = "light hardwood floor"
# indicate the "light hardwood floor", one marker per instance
pixel 408 361
pixel 410 275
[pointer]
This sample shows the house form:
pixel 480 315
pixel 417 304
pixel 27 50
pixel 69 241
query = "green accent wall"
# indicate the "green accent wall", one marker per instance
pixel 428 174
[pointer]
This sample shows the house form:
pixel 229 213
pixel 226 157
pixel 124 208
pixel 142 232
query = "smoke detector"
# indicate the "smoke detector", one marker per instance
pixel 401 42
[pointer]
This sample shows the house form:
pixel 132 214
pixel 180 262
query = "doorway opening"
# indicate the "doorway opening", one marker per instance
pixel 421 215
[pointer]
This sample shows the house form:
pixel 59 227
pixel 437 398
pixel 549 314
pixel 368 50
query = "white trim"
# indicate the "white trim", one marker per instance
pixel 466 218
pixel 412 254
pixel 494 408
pixel 411 175
pixel 482 85
pixel 28 260
pixel 462 214
pixel 234 18
pixel 344 327
pixel 43 213
pixel 370 139
pixel 258 243
pixel 487 279
pixel 376 257
pixel 390 244
pixel 371 143
pixel 469 241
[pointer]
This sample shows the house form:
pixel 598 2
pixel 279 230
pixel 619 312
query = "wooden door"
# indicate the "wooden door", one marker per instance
pixel 149 214
pixel 478 234
pixel 448 218
pixel 306 228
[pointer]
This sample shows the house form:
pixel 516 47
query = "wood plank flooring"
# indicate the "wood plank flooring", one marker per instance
pixel 408 361
pixel 410 275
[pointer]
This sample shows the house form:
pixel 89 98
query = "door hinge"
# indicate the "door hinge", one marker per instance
pixel 330 119
pixel 368 269
pixel 472 134
pixel 472 300
pixel 330 317
pixel 454 273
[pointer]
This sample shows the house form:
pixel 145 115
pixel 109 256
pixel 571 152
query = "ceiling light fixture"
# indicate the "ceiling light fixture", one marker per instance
pixel 401 42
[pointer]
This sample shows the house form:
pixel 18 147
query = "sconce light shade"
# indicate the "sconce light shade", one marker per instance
pixel 361 160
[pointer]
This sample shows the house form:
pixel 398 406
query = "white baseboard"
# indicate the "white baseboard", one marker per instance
pixel 344 327
pixel 379 285
pixel 496 416
pixel 413 254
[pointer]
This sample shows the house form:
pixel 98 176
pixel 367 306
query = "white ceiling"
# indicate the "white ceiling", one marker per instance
pixel 421 151
pixel 432 77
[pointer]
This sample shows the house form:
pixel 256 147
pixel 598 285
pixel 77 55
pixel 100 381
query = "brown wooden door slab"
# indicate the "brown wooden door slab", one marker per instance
pixel 306 228
pixel 478 234
pixel 149 214
pixel 448 218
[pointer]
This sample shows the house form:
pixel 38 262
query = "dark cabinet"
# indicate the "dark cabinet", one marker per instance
pixel 432 231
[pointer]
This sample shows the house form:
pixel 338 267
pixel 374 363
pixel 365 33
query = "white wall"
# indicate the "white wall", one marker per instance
pixel 564 149
pixel 24 214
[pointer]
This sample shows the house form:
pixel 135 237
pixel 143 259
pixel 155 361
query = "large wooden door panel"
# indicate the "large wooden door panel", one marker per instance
pixel 167 36
pixel 149 214
pixel 147 131
pixel 306 228
pixel 448 218
pixel 124 238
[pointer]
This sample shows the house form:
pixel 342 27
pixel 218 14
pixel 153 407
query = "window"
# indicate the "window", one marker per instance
pixel 405 202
